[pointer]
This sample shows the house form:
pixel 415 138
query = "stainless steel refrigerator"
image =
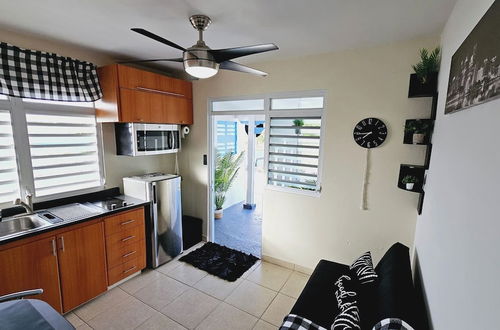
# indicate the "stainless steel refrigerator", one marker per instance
pixel 164 228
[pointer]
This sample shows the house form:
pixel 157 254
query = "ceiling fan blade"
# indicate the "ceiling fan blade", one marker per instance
pixel 158 38
pixel 226 54
pixel 180 59
pixel 230 65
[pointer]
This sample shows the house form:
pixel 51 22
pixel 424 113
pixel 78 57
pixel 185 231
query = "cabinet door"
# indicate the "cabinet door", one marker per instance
pixel 82 264
pixel 133 78
pixel 32 266
pixel 150 107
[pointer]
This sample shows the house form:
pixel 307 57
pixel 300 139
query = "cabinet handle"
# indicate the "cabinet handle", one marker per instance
pixel 127 238
pixel 128 254
pixel 53 242
pixel 62 243
pixel 128 270
pixel 126 222
pixel 145 89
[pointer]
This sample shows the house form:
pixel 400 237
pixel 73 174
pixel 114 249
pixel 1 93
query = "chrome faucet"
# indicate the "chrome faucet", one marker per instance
pixel 28 205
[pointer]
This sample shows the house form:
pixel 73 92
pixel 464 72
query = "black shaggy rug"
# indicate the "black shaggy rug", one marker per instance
pixel 220 261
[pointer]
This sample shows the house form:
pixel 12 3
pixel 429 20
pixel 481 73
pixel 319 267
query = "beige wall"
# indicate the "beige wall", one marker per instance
pixel 116 167
pixel 360 83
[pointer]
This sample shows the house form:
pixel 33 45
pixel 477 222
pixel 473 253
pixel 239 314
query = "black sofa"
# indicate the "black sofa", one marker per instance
pixel 392 296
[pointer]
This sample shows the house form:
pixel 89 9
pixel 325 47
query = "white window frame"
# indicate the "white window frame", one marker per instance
pixel 18 109
pixel 268 112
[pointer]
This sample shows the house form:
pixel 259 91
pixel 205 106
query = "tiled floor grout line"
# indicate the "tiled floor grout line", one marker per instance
pixel 219 301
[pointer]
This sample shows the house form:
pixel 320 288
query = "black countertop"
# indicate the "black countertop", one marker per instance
pixel 86 200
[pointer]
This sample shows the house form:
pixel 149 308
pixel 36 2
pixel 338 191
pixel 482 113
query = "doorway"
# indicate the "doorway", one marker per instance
pixel 238 174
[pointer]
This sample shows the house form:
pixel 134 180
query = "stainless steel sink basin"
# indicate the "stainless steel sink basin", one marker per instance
pixel 21 224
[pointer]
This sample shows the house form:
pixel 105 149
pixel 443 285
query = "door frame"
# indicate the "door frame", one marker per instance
pixel 266 112
pixel 211 149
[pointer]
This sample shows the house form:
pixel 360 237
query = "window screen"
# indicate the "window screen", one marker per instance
pixel 64 152
pixel 227 137
pixel 294 151
pixel 9 185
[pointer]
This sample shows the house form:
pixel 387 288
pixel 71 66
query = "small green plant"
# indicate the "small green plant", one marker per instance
pixel 298 122
pixel 429 63
pixel 419 126
pixel 409 179
pixel 226 169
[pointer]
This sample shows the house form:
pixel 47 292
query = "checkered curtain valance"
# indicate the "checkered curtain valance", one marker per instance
pixel 39 75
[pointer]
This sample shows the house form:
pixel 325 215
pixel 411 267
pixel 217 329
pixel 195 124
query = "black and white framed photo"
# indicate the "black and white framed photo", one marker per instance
pixel 475 66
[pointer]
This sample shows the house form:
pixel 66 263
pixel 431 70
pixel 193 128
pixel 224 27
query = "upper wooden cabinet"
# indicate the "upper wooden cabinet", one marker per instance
pixel 134 95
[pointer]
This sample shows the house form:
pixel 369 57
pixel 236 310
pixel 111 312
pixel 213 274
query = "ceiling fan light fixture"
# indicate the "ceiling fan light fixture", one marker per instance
pixel 201 68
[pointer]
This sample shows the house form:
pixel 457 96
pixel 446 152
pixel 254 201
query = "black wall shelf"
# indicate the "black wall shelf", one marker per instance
pixel 417 90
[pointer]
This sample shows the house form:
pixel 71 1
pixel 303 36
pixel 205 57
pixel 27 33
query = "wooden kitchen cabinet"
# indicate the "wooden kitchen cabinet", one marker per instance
pixel 82 264
pixel 76 263
pixel 32 266
pixel 134 95
pixel 125 244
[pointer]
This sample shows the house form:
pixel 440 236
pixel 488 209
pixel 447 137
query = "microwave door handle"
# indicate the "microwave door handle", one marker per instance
pixel 172 140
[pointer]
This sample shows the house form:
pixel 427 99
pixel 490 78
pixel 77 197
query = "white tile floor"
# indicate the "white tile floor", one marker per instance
pixel 178 296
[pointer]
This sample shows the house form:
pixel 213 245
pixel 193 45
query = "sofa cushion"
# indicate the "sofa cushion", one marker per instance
pixel 347 301
pixel 317 301
pixel 394 294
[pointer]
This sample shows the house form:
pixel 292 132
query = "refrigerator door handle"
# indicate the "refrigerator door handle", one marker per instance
pixel 154 194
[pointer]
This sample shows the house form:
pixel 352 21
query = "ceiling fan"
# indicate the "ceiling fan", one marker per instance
pixel 202 62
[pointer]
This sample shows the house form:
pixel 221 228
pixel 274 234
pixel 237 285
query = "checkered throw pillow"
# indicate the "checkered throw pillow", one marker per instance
pixel 392 324
pixel 295 322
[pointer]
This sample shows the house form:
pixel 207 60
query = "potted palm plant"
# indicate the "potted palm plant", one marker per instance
pixel 409 181
pixel 424 81
pixel 226 169
pixel 298 123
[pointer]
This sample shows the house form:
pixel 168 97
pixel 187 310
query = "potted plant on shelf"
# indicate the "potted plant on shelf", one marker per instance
pixel 419 130
pixel 409 181
pixel 424 81
pixel 226 169
pixel 298 123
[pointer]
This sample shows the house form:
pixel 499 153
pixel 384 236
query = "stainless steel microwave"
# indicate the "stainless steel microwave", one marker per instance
pixel 138 139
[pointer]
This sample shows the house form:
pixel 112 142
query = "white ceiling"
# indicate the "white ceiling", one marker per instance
pixel 298 27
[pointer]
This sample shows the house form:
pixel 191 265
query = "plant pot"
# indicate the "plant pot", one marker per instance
pixel 418 138
pixel 297 131
pixel 421 89
pixel 409 186
pixel 218 214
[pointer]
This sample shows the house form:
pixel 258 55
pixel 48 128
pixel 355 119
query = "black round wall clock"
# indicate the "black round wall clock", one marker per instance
pixel 370 133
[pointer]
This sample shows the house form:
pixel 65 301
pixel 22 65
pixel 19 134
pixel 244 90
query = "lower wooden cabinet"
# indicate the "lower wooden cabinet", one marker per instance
pixel 32 266
pixel 125 244
pixel 82 264
pixel 76 263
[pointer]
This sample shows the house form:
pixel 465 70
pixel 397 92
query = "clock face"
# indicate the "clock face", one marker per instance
pixel 370 132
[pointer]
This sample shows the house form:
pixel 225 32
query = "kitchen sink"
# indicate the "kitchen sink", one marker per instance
pixel 21 224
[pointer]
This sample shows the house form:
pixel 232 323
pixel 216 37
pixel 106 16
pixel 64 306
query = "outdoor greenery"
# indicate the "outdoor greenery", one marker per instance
pixel 226 169
pixel 409 179
pixel 419 126
pixel 429 63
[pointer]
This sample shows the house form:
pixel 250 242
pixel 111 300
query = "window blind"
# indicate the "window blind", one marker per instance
pixel 294 146
pixel 9 185
pixel 64 152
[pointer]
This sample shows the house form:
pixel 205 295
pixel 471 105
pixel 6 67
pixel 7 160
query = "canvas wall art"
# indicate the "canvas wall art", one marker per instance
pixel 475 66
